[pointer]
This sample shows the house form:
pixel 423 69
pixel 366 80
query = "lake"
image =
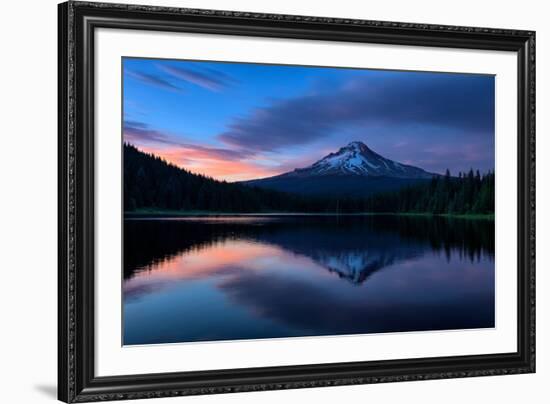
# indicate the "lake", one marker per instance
pixel 247 277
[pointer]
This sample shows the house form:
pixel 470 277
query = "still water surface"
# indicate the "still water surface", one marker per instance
pixel 226 278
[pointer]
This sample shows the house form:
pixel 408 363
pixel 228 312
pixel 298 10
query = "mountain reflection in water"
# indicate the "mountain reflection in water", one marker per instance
pixel 196 279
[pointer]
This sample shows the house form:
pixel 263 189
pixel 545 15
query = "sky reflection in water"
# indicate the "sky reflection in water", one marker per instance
pixel 203 279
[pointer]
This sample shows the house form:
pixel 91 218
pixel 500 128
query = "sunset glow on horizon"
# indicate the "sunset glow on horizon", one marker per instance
pixel 200 162
pixel 242 121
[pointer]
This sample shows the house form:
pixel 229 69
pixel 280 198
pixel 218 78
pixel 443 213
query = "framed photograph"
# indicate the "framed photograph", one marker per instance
pixel 257 201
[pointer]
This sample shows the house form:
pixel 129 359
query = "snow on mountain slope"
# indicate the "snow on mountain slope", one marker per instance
pixel 357 159
pixel 353 171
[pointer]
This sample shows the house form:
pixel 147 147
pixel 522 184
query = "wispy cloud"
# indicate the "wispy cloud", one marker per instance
pixel 153 80
pixel 221 163
pixel 207 78
pixel 445 101
pixel 283 123
pixel 138 133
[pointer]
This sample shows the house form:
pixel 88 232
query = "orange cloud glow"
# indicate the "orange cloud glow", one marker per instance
pixel 212 164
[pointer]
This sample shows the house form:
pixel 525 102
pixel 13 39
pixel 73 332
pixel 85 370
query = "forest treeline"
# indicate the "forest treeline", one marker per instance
pixel 152 183
pixel 470 193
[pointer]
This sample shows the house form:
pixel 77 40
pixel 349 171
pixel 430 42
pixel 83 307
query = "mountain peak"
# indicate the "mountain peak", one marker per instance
pixel 356 144
pixel 357 159
pixel 353 170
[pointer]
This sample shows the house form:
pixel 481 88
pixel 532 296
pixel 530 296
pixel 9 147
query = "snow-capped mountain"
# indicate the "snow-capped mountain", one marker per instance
pixel 354 171
pixel 357 159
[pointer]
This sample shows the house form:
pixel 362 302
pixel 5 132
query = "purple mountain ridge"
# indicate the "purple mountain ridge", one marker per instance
pixel 354 170
pixel 357 159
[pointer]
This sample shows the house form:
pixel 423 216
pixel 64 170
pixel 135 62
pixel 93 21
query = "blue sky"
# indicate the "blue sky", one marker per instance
pixel 237 121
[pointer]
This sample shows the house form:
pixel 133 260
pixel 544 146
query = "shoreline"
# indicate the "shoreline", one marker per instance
pixel 177 213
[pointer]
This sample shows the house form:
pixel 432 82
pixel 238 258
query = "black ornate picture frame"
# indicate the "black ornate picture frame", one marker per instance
pixel 78 22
